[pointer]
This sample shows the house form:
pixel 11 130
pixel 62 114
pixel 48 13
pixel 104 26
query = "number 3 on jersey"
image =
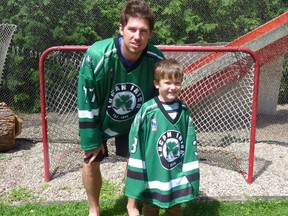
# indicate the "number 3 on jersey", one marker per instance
pixel 134 145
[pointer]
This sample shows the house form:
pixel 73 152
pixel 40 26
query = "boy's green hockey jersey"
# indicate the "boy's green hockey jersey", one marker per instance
pixel 109 93
pixel 163 167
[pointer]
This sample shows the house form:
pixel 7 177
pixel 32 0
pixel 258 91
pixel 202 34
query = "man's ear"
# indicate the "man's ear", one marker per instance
pixel 121 29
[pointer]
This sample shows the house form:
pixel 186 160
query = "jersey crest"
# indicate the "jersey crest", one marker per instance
pixel 170 148
pixel 153 124
pixel 124 102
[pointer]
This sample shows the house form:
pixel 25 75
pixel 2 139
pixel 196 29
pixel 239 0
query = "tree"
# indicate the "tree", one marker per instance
pixel 42 24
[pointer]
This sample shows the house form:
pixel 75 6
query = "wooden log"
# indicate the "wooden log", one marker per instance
pixel 7 128
pixel 18 125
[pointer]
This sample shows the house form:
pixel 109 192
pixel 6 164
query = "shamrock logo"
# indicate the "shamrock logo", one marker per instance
pixel 172 150
pixel 123 101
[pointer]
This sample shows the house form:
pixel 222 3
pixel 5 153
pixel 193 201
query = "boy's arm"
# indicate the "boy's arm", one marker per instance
pixel 191 161
pixel 136 174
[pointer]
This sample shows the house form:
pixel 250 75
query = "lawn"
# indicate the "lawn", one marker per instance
pixel 20 202
pixel 117 207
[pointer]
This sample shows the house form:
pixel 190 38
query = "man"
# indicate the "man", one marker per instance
pixel 116 78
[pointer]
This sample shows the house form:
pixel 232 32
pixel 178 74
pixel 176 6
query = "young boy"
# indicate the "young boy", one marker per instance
pixel 163 167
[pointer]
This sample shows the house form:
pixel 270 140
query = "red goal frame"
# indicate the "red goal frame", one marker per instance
pixel 248 176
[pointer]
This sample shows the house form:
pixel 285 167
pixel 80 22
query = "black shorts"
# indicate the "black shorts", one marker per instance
pixel 121 145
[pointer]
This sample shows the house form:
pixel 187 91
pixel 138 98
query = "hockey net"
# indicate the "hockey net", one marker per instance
pixel 220 87
pixel 6 33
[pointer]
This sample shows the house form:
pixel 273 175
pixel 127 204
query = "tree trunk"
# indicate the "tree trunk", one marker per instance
pixel 7 128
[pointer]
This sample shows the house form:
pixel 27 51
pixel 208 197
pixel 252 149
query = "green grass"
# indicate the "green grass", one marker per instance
pixel 114 204
pixel 117 207
pixel 20 194
pixel 247 208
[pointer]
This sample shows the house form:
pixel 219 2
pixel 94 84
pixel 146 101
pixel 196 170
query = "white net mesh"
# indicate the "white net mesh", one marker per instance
pixel 61 76
pixel 6 32
pixel 218 88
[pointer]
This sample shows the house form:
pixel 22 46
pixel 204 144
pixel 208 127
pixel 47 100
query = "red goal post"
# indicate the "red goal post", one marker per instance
pixel 220 87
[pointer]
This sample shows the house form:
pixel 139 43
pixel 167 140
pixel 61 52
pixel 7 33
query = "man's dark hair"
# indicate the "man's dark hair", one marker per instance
pixel 139 9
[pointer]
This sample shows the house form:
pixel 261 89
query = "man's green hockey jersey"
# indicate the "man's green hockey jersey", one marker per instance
pixel 163 166
pixel 109 93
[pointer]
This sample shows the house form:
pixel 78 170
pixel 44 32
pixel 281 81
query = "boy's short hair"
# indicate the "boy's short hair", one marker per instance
pixel 170 68
pixel 139 9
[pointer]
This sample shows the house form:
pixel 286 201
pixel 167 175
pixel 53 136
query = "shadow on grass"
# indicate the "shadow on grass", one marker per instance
pixel 114 207
pixel 201 207
pixel 198 207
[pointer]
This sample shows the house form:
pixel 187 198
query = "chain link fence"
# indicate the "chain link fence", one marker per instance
pixel 20 79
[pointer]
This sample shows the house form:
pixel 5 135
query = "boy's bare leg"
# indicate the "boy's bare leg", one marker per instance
pixel 92 180
pixel 132 207
pixel 150 209
pixel 174 211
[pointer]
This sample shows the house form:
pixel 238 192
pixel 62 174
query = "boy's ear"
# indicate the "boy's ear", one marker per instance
pixel 156 84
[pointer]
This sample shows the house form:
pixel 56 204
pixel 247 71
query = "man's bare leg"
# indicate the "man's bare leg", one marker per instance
pixel 92 180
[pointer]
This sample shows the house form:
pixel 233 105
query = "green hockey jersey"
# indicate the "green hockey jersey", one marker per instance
pixel 110 93
pixel 163 166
